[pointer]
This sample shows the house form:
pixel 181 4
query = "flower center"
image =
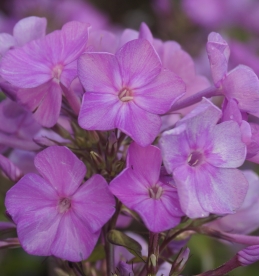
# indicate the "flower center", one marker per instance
pixel 64 205
pixel 195 158
pixel 125 95
pixel 155 192
pixel 56 72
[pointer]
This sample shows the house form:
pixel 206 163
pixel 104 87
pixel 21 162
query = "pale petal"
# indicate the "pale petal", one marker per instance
pixel 175 148
pixel 29 28
pixel 74 241
pixel 140 125
pixel 228 150
pixel 100 73
pixel 61 168
pixel 220 191
pixel 158 96
pixel 98 111
pixel 188 194
pixel 6 42
pixel 218 53
pixel 93 203
pixel 139 63
pixel 242 84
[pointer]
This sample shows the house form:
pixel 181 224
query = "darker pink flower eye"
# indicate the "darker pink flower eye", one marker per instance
pixel 195 159
pixel 64 205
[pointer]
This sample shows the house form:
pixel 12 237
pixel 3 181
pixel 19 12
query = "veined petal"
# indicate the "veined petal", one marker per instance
pixel 98 111
pixel 158 96
pixel 29 28
pixel 30 193
pixel 228 150
pixel 220 191
pixel 100 73
pixel 37 230
pixel 44 101
pixel 74 36
pixel 145 162
pixel 140 125
pixel 175 148
pixel 61 168
pixel 139 63
pixel 74 241
pixel 27 66
pixel 184 177
pixel 93 203
pixel 242 84
pixel 130 188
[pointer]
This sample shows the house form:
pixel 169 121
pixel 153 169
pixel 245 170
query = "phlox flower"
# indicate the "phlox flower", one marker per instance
pixel 44 68
pixel 127 91
pixel 202 157
pixel 141 189
pixel 54 213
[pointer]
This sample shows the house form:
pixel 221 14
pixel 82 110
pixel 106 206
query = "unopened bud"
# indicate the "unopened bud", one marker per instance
pixel 98 160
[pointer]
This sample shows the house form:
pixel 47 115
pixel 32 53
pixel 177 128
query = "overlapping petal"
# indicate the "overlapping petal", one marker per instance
pixel 58 164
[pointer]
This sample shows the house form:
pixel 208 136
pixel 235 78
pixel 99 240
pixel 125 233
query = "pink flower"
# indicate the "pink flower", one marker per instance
pixel 44 67
pixel 127 91
pixel 141 189
pixel 203 156
pixel 54 213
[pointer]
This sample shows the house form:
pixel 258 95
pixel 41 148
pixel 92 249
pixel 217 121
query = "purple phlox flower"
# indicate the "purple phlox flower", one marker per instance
pixel 245 220
pixel 202 156
pixel 123 221
pixel 54 213
pixel 124 269
pixel 18 126
pixel 127 91
pixel 241 83
pixel 43 67
pixel 140 188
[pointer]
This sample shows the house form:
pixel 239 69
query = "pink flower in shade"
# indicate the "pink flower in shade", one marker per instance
pixel 202 156
pixel 54 213
pixel 43 67
pixel 127 91
pixel 141 189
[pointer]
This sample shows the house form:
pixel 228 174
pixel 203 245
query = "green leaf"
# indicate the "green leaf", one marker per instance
pixel 97 254
pixel 118 238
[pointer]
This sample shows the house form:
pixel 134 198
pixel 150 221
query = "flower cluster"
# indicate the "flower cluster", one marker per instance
pixel 99 129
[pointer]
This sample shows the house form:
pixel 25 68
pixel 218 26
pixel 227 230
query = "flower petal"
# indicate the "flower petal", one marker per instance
pixel 61 168
pixel 44 101
pixel 32 192
pixel 29 28
pixel 99 72
pixel 139 63
pixel 140 125
pixel 93 203
pixel 74 241
pixel 186 188
pixel 158 96
pixel 98 111
pixel 228 150
pixel 145 162
pixel 220 191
